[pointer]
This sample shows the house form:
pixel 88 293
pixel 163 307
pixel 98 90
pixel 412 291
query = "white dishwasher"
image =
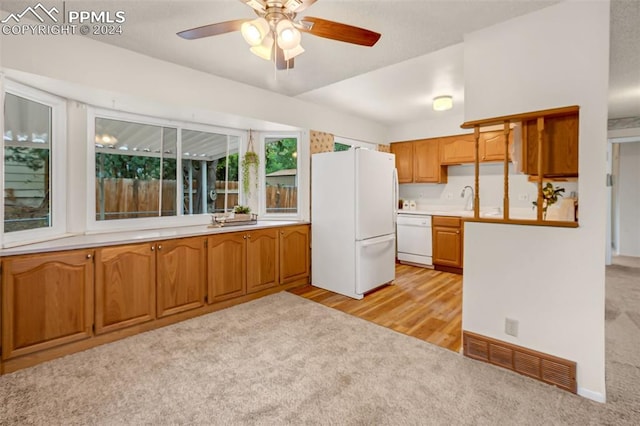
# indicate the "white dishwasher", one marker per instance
pixel 414 239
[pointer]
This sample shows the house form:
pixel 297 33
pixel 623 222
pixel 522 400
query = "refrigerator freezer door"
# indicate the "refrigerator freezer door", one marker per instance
pixel 375 194
pixel 375 262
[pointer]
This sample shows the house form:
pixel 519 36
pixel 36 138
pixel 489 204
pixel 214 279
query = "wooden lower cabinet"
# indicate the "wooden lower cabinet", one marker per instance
pixel 54 304
pixel 447 241
pixel 242 263
pixel 227 266
pixel 47 301
pixel 180 278
pixel 294 253
pixel 125 286
pixel 262 259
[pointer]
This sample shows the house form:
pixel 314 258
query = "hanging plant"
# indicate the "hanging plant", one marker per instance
pixel 249 161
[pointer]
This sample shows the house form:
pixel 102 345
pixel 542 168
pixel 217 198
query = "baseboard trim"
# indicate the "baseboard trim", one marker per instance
pixel 594 396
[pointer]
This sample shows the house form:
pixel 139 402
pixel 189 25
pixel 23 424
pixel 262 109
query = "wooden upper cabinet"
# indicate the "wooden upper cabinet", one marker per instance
pixel 404 160
pixel 560 146
pixel 426 162
pixel 125 284
pixel 262 259
pixel 47 301
pixel 227 266
pixel 491 146
pixel 294 253
pixel 457 149
pixel 419 161
pixel 180 277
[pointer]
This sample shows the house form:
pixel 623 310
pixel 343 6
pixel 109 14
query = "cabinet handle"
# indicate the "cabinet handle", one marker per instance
pixel 160 247
pixel 457 232
pixel 249 236
pixel 153 248
pixel 89 256
pixel 245 237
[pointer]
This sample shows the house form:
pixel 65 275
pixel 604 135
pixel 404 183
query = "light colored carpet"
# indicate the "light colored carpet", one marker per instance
pixel 285 360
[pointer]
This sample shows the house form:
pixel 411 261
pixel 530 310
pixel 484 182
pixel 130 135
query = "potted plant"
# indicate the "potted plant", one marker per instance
pixel 250 161
pixel 549 197
pixel 242 212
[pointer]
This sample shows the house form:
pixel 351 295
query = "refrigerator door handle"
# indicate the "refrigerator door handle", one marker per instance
pixel 377 241
pixel 396 194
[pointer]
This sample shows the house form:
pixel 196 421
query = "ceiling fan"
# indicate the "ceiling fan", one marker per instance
pixel 275 35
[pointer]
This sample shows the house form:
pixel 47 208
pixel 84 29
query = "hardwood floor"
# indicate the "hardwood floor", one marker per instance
pixel 423 303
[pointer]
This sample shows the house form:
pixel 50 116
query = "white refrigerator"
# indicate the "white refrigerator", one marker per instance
pixel 353 212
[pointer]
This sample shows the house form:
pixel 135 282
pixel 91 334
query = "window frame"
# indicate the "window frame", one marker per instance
pixel 302 154
pixel 355 143
pixel 58 167
pixel 160 222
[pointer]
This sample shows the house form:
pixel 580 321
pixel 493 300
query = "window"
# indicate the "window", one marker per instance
pixel 210 171
pixel 33 168
pixel 281 175
pixel 135 170
pixel 337 146
pixel 169 173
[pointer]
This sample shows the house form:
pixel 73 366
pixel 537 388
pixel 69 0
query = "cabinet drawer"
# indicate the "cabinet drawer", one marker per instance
pixel 452 221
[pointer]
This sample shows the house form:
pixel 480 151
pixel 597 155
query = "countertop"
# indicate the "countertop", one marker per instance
pixel 71 242
pixel 489 213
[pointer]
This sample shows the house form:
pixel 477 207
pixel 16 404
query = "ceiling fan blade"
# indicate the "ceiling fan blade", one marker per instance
pixel 212 29
pixel 337 31
pixel 281 64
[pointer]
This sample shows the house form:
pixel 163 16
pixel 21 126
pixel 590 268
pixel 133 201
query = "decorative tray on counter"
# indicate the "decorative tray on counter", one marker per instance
pixel 225 220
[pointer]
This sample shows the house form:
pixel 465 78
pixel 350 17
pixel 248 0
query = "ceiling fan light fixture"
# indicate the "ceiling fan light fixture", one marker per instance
pixel 288 35
pixel 264 49
pixel 292 53
pixel 254 32
pixel 442 103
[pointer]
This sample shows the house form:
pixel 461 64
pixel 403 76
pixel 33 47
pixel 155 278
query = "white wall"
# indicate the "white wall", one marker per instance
pixel 629 200
pixel 549 279
pixel 446 126
pixel 69 65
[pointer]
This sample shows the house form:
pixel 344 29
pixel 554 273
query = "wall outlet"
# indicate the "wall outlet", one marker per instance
pixel 523 197
pixel 448 196
pixel 511 327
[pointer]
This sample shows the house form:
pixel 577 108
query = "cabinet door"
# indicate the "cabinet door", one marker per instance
pixel 47 301
pixel 125 286
pixel 180 275
pixel 426 162
pixel 457 149
pixel 492 146
pixel 294 253
pixel 404 160
pixel 262 259
pixel 560 149
pixel 227 266
pixel 447 247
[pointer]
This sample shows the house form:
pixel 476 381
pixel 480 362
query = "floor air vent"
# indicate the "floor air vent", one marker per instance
pixel 547 368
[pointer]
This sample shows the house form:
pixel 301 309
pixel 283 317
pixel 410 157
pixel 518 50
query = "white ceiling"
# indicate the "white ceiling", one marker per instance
pixel 418 57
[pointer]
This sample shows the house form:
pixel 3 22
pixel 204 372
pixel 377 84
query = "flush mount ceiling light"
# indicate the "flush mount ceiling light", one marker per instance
pixel 442 103
pixel 275 34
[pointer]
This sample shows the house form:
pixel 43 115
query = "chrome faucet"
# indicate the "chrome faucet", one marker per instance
pixel 469 204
